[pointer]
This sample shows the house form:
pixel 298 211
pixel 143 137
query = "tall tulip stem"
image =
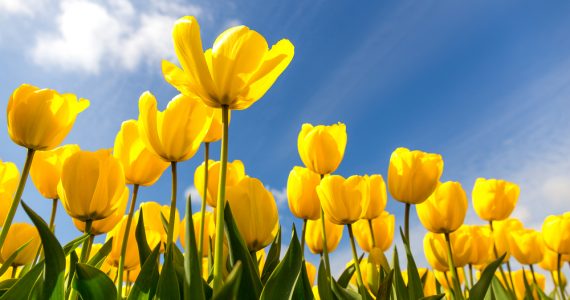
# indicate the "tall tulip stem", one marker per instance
pixel 17 196
pixel 559 266
pixel 52 216
pixel 203 207
pixel 356 260
pixel 372 233
pixel 533 276
pixel 218 250
pixel 455 277
pixel 303 233
pixel 506 282
pixel 85 247
pixel 126 240
pixel 471 274
pixel 325 247
pixel 407 225
pixel 170 232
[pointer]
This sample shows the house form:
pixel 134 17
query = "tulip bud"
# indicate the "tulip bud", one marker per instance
pixel 378 198
pixel 321 147
pixel 429 283
pixel 118 234
pixel 413 175
pixel 302 193
pixel 383 227
pixel 494 199
pixel 9 178
pixel 482 250
pixel 235 172
pixel 46 169
pixel 141 166
pixel 526 245
pixel 370 274
pixel 501 230
pixel 40 119
pixel 444 211
pixel 343 200
pixel 18 235
pixel 153 213
pixel 250 198
pixel 519 279
pixel 556 233
pixel 105 225
pixel 314 235
pixel 92 184
pixel 209 231
pixel 435 249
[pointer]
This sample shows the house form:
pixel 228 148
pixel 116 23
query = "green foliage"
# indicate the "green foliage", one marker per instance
pixel 92 284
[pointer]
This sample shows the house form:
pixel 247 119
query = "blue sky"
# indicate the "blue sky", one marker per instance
pixel 484 83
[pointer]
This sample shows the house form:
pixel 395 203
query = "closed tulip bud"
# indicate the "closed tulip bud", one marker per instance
pixel 9 178
pixel 444 211
pixel 40 119
pixel 235 72
pixel 494 199
pixel 105 225
pixel 209 231
pixel 118 234
pixel 314 235
pixel 153 214
pixel 461 245
pixel 179 138
pixel 482 242
pixel 413 175
pixel 501 231
pixel 526 246
pixel 46 169
pixel 519 283
pixel 92 184
pixel 215 132
pixel 18 235
pixel 321 147
pixel 311 272
pixel 429 283
pixel 302 193
pixel 250 198
pixel 343 200
pixel 435 249
pixel 383 227
pixel 377 194
pixel 445 277
pixel 370 274
pixel 141 166
pixel 556 233
pixel 235 172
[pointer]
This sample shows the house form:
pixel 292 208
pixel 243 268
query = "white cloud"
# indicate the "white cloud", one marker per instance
pixel 194 194
pixel 280 195
pixel 20 7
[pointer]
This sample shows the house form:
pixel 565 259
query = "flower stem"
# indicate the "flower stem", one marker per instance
pixel 533 276
pixel 559 266
pixel 372 233
pixel 407 226
pixel 17 196
pixel 126 240
pixel 325 247
pixel 455 277
pixel 52 217
pixel 218 250
pixel 471 274
pixel 303 233
pixel 361 286
pixel 170 232
pixel 14 271
pixel 85 247
pixel 506 282
pixel 203 207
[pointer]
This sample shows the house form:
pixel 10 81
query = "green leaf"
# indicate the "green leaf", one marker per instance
pixel 99 257
pixel 54 272
pixel 480 288
pixel 347 274
pixel 73 259
pixel 8 262
pixel 74 244
pixel 21 289
pixel 144 287
pixel 415 288
pixel 498 291
pixel 281 283
pixel 193 282
pixel 92 284
pixel 399 284
pixel 230 289
pixel 272 257
pixel 250 286
pixel 433 297
pixel 384 292
pixel 303 288
pixel 345 294
pixel 140 235
pixel 323 282
pixel 168 288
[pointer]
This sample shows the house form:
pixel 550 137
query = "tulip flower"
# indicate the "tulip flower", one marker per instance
pixel 132 254
pixel 550 260
pixel 321 147
pixel 250 198
pixel 444 211
pixel 21 234
pixel 446 281
pixel 209 226
pixel 519 278
pixel 314 235
pixel 494 199
pixel 378 198
pixel 260 256
pixel 556 233
pixel 482 242
pixel 526 245
pixel 383 229
pixel 311 272
pixel 9 177
pixel 105 225
pixel 235 173
pixel 429 286
pixel 501 231
pixel 302 193
pixel 343 200
pixel 153 213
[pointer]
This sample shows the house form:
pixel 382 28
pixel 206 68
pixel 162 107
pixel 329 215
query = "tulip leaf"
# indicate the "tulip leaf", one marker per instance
pixel 344 293
pixel 399 284
pixel 99 257
pixel 230 289
pixel 433 297
pixel 414 281
pixel 54 272
pixel 344 278
pixel 92 283
pixel 6 284
pixel 250 285
pixel 8 262
pixel 323 282
pixel 140 235
pixel 74 244
pixel 168 288
pixel 480 288
pixel 21 289
pixel 272 257
pixel 384 291
pixel 73 259
pixel 281 283
pixel 144 287
pixel 303 288
pixel 193 283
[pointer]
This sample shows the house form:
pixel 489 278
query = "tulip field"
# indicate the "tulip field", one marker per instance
pixel 153 251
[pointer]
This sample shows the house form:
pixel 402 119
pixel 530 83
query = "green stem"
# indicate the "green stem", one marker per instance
pixel 457 285
pixel 85 247
pixel 218 251
pixel 14 271
pixel 52 217
pixel 303 233
pixel 17 196
pixel 471 275
pixel 126 240
pixel 170 232
pixel 372 233
pixel 533 276
pixel 559 266
pixel 325 248
pixel 506 282
pixel 556 289
pixel 361 286
pixel 203 207
pixel 510 274
pixel 407 226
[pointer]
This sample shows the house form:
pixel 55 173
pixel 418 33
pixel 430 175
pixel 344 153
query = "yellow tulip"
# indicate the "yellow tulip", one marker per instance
pixel 302 193
pixel 519 278
pixel 18 235
pixel 153 224
pixel 413 175
pixel 550 260
pixel 482 242
pixel 383 227
pixel 235 173
pixel 40 119
pixel 255 212
pixel 562 278
pixel 429 284
pixel 132 255
pixel 92 184
pixel 435 249
pixel 321 147
pixel 176 133
pixel 236 72
pixel 9 178
pixel 494 199
pixel 261 256
pixel 444 211
pixel 46 169
pixel 556 233
pixel 501 230
pixel 141 166
pixel 378 198
pixel 526 245
pixel 209 230
pixel 105 225
pixel 316 294
pixel 343 200
pixel 370 272
pixel 314 235
pixel 215 132
pixel 461 245
pixel 311 272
